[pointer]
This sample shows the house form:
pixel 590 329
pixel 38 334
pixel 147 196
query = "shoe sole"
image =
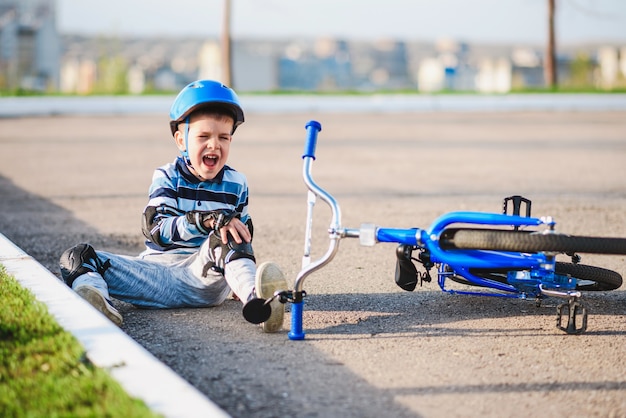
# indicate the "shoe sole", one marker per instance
pixel 269 279
pixel 98 301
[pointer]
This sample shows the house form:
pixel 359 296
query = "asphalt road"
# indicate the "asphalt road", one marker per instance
pixel 371 349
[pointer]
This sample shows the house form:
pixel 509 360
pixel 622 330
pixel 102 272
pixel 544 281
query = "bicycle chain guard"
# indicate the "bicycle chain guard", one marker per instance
pixel 572 310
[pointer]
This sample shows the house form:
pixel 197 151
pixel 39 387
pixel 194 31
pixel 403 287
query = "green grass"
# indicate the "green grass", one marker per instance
pixel 43 368
pixel 569 90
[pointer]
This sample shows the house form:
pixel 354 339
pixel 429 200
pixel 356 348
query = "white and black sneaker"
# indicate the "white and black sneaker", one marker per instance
pixel 270 279
pixel 98 301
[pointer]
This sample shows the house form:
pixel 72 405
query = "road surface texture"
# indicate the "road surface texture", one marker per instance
pixel 371 349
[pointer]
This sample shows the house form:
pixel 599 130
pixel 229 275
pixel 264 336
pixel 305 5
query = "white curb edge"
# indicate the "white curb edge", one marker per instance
pixel 141 374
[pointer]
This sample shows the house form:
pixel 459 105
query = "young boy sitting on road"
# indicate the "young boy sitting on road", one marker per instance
pixel 198 230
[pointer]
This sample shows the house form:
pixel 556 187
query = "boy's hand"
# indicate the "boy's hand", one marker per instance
pixel 237 229
pixel 224 223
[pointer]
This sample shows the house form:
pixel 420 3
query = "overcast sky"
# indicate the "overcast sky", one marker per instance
pixel 494 21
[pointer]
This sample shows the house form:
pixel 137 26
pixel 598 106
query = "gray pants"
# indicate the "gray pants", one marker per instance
pixel 172 279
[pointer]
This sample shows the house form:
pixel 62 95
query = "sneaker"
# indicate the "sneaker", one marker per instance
pixel 102 304
pixel 270 279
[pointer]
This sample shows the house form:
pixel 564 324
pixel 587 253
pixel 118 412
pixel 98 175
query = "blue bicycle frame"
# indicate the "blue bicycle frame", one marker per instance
pixel 530 274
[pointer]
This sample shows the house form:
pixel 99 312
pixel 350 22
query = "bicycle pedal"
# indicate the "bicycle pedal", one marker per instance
pixel 573 310
pixel 516 203
pixel 406 275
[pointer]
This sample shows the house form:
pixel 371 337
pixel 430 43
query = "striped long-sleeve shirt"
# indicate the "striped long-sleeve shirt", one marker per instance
pixel 175 191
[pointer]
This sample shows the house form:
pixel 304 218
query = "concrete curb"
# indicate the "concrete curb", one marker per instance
pixel 126 105
pixel 107 346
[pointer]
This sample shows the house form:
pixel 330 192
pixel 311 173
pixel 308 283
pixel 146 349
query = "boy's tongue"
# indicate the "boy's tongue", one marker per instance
pixel 210 161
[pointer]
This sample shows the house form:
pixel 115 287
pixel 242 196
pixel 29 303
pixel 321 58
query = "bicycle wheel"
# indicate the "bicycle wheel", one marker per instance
pixel 523 241
pixel 589 278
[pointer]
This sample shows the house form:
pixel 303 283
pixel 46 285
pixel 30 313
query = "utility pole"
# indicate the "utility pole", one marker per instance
pixel 227 75
pixel 550 69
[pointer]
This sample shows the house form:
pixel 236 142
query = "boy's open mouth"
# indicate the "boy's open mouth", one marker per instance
pixel 210 160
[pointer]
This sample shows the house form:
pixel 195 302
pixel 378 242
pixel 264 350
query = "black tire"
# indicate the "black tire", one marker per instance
pixel 600 278
pixel 522 241
pixel 593 278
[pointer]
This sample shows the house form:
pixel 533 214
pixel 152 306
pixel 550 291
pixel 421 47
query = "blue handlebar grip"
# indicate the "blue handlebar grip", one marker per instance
pixel 296 332
pixel 312 128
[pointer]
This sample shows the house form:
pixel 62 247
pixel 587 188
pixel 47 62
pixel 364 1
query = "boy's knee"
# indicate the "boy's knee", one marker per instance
pixel 78 260
pixel 230 251
pixel 243 250
pixel 222 254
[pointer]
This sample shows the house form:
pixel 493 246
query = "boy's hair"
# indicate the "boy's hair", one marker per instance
pixel 217 111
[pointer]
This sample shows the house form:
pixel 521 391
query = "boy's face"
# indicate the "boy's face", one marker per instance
pixel 209 143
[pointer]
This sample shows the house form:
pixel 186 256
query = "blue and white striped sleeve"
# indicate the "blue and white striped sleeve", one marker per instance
pixel 164 222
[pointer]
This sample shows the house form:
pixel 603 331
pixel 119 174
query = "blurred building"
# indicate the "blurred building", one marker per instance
pixel 34 57
pixel 138 65
pixel 320 65
pixel 29 45
pixel 611 67
pixel 449 69
pixel 254 64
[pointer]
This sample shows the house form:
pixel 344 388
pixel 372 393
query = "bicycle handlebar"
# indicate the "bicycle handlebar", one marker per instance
pixel 312 128
pixel 335 230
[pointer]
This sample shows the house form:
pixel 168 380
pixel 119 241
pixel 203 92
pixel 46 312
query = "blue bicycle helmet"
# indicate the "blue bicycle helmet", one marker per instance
pixel 205 93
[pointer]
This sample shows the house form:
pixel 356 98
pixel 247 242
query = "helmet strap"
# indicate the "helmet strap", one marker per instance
pixel 185 153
